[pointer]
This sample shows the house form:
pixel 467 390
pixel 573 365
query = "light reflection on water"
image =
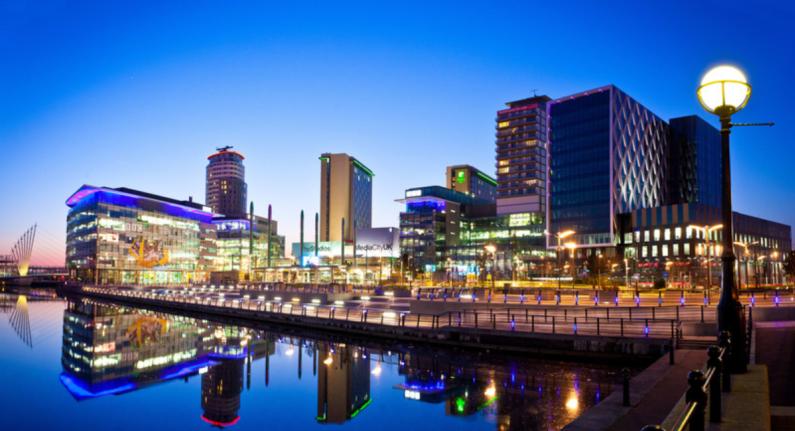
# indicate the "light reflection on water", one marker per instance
pixel 124 368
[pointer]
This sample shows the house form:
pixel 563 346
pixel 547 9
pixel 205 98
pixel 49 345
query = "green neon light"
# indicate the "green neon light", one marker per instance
pixel 460 404
pixel 321 418
pixel 359 410
pixel 486 178
pixel 324 159
pixel 366 170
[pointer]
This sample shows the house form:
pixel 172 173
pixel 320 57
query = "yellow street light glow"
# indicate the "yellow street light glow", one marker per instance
pixel 329 360
pixel 377 370
pixel 389 315
pixel 491 248
pixel 570 245
pixel 566 234
pixel 290 351
pixel 572 402
pixel 724 90
pixel 491 391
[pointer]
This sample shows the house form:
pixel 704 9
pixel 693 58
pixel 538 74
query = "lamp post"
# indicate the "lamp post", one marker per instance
pixel 492 250
pixel 724 90
pixel 560 237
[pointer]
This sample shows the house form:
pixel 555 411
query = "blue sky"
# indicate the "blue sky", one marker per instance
pixel 138 95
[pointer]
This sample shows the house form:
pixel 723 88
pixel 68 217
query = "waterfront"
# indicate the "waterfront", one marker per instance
pixel 120 368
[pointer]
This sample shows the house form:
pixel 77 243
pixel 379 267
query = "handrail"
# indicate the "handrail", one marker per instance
pixel 704 386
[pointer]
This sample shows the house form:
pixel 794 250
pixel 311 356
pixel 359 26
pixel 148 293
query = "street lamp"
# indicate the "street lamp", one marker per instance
pixel 560 236
pixel 492 250
pixel 724 91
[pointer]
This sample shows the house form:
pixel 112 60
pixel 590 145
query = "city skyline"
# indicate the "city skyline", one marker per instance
pixel 407 110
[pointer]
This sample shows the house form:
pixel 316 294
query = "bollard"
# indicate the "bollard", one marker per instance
pixel 695 394
pixel 714 362
pixel 625 385
pixel 576 298
pixel 725 341
pixel 575 326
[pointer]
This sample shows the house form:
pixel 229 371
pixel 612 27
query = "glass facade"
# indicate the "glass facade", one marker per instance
pixel 124 236
pixel 694 162
pixel 362 197
pixel 608 157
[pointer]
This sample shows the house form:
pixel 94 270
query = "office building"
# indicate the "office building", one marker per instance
pixel 608 156
pixel 125 236
pixel 670 242
pixel 346 193
pixel 430 224
pixel 226 183
pixel 522 155
pixel 471 181
pixel 694 162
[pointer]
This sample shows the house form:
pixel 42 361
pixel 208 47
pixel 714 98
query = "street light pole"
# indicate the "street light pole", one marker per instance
pixel 724 90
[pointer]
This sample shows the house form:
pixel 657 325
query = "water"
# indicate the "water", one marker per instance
pixel 80 365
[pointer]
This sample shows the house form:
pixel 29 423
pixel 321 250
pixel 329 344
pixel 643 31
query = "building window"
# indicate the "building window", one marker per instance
pixel 646 235
pixel 637 236
pixel 665 250
pixel 676 249
pixel 654 251
pixel 678 233
pixel 667 234
pixel 628 238
pixel 686 249
pixel 645 251
pixel 689 232
pixel 656 234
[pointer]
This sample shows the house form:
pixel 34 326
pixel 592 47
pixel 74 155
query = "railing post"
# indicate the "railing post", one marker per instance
pixel 625 385
pixel 725 342
pixel 714 362
pixel 695 394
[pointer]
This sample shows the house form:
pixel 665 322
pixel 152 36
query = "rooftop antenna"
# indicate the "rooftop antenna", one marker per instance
pixel 222 149
pixel 535 92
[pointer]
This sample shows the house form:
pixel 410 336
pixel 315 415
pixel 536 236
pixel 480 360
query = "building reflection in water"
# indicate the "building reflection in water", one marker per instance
pixel 541 396
pixel 111 350
pixel 343 383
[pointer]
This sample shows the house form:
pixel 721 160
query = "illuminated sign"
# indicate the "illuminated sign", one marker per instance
pixel 413 193
pixel 148 253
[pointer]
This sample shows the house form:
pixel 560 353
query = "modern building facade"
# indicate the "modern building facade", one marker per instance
pixel 694 162
pixel 608 157
pixel 125 236
pixel 471 181
pixel 522 156
pixel 430 225
pixel 346 193
pixel 675 243
pixel 226 183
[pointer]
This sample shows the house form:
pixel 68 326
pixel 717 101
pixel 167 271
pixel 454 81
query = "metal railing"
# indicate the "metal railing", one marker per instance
pixel 704 391
pixel 604 323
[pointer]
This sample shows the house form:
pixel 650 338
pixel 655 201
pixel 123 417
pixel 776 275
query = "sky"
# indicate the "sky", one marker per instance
pixel 139 94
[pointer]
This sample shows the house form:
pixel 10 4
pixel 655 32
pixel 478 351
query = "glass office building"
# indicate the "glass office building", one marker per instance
pixel 346 193
pixel 694 162
pixel 125 236
pixel 607 157
pixel 225 188
pixel 472 181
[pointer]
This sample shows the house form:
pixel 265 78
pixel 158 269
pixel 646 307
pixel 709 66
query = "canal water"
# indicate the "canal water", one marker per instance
pixel 78 365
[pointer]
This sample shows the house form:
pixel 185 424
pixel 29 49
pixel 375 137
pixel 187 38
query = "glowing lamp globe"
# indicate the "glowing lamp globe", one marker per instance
pixel 724 90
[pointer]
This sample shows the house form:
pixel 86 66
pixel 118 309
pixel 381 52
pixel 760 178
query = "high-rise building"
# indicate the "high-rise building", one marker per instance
pixel 226 183
pixel 608 156
pixel 522 138
pixel 471 181
pixel 694 162
pixel 346 192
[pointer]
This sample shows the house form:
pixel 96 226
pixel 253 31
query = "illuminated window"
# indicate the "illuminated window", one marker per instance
pixel 676 249
pixel 678 233
pixel 667 234
pixel 656 234
pixel 686 249
pixel 665 250
pixel 502 124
